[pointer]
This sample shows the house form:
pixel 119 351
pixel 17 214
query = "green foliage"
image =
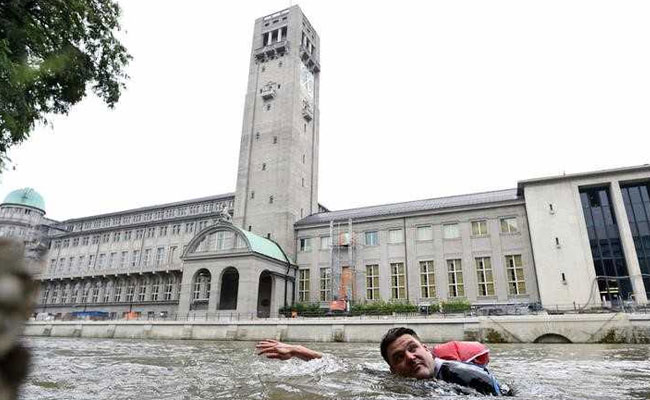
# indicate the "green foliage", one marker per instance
pixel 455 306
pixel 49 52
pixel 382 308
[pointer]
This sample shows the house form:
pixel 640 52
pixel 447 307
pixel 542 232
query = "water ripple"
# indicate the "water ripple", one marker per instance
pixel 102 369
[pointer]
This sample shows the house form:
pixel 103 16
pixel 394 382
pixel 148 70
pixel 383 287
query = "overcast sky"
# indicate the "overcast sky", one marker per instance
pixel 419 99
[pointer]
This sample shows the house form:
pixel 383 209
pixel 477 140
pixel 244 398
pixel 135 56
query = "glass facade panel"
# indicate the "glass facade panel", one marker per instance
pixel 609 263
pixel 637 207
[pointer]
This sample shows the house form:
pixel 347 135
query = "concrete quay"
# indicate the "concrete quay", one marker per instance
pixel 575 328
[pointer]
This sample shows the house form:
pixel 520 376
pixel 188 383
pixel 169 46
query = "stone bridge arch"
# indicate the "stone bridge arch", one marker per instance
pixel 552 338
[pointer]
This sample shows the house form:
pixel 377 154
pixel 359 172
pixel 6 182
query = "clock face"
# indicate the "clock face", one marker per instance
pixel 307 83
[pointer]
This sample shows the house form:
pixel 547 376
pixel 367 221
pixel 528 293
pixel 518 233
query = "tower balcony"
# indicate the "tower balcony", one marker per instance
pixel 307 112
pixel 273 50
pixel 310 61
pixel 267 93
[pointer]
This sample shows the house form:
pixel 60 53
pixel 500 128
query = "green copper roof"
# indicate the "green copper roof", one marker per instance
pixel 26 197
pixel 264 246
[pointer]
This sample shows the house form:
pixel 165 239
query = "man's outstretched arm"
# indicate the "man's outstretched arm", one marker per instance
pixel 282 351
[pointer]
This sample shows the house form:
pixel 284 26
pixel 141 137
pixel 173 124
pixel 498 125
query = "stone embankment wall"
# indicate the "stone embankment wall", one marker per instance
pixel 579 328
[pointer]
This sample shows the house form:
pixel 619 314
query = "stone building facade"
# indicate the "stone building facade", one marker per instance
pixel 565 242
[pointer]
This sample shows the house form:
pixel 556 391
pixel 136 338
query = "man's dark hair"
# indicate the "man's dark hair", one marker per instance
pixel 392 335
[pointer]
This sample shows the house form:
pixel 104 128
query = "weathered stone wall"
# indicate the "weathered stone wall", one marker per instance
pixel 598 328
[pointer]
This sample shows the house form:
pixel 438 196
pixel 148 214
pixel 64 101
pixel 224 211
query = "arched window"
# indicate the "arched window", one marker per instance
pixel 201 286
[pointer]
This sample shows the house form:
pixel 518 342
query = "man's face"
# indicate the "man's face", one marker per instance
pixel 408 357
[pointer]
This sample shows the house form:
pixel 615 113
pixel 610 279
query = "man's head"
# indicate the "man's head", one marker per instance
pixel 406 355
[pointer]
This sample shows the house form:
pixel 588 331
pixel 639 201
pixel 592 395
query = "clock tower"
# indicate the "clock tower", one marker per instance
pixel 277 178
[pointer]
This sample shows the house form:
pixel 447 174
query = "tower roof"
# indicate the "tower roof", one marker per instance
pixel 25 197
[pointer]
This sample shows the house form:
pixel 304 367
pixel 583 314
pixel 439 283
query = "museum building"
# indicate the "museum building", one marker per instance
pixel 568 242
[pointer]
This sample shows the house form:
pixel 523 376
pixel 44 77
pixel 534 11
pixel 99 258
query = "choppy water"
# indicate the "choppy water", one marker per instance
pixel 133 369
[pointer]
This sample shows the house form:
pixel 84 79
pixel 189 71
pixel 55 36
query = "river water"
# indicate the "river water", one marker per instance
pixel 66 368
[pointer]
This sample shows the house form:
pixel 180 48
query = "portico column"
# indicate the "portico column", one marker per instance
pixel 627 242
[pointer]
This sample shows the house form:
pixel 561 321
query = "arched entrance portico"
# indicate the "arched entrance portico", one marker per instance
pixel 264 295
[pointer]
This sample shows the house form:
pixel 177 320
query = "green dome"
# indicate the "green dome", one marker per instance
pixel 26 197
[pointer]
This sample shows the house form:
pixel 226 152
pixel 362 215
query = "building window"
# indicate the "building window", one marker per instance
pixel 450 231
pixel 395 236
pixel 127 235
pixel 515 271
pixel 84 294
pixel 160 255
pixel 112 259
pixel 397 281
pixel 202 286
pixel 189 227
pixel 270 199
pixel 123 259
pixel 484 276
pixel 80 262
pixel 106 237
pixel 139 233
pixel 151 232
pixel 107 293
pixel 172 254
pixel 84 241
pixel 75 242
pixel 509 225
pixel 605 242
pixel 372 282
pixel 169 288
pixel 325 242
pixel 147 257
pixel 91 261
pixel 117 293
pixel 162 231
pixel 636 199
pixel 44 295
pixel 116 237
pixel 155 288
pixel 372 238
pixel 427 280
pixel 95 239
pixel 479 228
pixel 130 290
pixel 95 295
pixel 142 291
pixel 176 229
pixel 424 233
pixel 455 277
pixel 134 257
pixel 303 285
pixel 305 244
pixel 325 284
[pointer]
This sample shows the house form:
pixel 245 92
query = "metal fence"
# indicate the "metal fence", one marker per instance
pixel 423 313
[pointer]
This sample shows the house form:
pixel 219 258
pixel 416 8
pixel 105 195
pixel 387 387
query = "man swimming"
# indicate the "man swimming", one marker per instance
pixel 406 356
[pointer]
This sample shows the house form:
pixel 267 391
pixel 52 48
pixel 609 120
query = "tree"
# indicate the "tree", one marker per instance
pixel 49 51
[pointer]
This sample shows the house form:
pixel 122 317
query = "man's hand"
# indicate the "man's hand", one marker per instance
pixel 282 351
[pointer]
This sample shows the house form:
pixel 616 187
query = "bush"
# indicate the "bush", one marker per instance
pixel 455 306
pixel 304 310
pixel 382 308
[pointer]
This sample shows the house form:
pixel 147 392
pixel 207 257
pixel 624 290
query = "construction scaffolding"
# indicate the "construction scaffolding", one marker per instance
pixel 342 265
